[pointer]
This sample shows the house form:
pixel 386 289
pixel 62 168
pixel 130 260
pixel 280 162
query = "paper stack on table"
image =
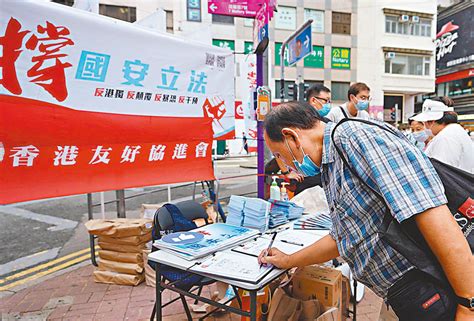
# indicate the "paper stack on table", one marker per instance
pixel 257 213
pixel 236 210
pixel 319 221
pixel 204 240
pixel 282 211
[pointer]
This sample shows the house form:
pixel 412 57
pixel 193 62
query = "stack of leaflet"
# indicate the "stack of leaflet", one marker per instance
pixel 257 213
pixel 282 211
pixel 235 208
pixel 295 211
pixel 278 213
pixel 204 240
pixel 319 221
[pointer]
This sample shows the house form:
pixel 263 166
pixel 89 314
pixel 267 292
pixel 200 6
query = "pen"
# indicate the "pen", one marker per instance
pixel 269 246
pixel 293 243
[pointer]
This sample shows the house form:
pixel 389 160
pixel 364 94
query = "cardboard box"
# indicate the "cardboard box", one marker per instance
pixel 316 282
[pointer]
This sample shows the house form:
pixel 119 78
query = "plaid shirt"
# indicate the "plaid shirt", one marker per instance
pixel 392 166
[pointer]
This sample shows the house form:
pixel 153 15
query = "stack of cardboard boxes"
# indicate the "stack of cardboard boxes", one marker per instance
pixel 321 283
pixel 121 243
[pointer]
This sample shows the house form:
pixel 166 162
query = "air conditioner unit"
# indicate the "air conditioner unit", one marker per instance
pixel 415 19
pixel 390 55
pixel 404 18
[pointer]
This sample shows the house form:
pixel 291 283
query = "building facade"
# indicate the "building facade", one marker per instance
pixel 396 54
pixel 455 58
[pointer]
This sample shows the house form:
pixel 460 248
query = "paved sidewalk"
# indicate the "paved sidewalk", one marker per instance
pixel 75 296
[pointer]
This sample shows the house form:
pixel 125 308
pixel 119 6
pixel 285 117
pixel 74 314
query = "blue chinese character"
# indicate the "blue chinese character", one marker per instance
pixel 173 74
pixel 134 72
pixel 92 66
pixel 198 82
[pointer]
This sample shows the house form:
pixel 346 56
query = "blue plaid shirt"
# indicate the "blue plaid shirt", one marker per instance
pixel 392 166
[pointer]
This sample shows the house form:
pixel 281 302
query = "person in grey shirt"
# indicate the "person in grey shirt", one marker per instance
pixel 359 98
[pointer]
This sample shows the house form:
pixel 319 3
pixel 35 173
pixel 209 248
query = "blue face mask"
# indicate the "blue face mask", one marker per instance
pixel 307 167
pixel 421 136
pixel 325 109
pixel 362 104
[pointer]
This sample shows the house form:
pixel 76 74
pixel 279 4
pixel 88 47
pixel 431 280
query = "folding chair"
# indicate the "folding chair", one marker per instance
pixel 191 211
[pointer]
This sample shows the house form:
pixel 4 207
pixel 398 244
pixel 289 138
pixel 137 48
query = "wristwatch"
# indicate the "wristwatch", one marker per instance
pixel 467 302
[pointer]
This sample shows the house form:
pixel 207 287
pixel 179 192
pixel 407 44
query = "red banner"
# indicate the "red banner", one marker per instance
pixel 51 150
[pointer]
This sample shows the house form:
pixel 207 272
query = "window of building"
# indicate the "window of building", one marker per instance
pixel 403 64
pixel 65 2
pixel 341 23
pixel 456 87
pixel 248 22
pixel 169 21
pixel 193 8
pixel 118 12
pixel 285 18
pixel 421 28
pixel 217 18
pixel 318 19
pixel 339 90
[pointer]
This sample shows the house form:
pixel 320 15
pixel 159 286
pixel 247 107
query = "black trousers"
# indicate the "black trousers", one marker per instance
pixel 419 297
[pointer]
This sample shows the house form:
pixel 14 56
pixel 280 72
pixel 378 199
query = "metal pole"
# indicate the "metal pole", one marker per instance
pixel 253 305
pixel 120 195
pixel 260 141
pixel 282 72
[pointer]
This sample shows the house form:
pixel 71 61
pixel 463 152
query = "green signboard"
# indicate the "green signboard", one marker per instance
pixel 228 44
pixel 316 58
pixel 277 54
pixel 248 47
pixel 341 58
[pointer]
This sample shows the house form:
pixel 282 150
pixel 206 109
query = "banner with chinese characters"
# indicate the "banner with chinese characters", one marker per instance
pixel 89 103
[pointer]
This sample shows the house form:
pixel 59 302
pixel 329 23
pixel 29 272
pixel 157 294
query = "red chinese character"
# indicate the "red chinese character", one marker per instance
pixel 51 78
pixel 11 44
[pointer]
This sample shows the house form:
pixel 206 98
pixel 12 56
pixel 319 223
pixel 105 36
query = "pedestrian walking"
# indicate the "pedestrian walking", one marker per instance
pixel 359 98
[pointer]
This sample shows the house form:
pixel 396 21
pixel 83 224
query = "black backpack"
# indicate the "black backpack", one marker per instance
pixel 406 237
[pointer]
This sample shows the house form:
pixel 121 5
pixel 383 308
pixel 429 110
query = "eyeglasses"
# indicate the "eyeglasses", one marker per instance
pixel 324 99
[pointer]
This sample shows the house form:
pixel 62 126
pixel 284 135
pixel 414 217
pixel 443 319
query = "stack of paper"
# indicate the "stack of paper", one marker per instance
pixel 235 208
pixel 295 211
pixel 282 211
pixel 204 240
pixel 256 213
pixel 319 221
pixel 278 213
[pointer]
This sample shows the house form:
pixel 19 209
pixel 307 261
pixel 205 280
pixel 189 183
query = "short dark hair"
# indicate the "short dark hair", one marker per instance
pixel 291 114
pixel 445 100
pixel 356 88
pixel 314 91
pixel 449 117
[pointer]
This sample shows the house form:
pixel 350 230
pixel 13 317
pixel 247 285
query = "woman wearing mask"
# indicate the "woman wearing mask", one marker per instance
pixel 359 99
pixel 417 135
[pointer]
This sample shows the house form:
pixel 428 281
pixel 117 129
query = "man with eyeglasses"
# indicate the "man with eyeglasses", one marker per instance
pixel 359 99
pixel 319 96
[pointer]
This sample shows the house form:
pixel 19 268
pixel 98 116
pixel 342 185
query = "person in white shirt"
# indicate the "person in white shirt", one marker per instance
pixel 359 98
pixel 451 144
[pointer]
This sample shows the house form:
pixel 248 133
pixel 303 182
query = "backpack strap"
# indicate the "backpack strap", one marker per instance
pixel 344 112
